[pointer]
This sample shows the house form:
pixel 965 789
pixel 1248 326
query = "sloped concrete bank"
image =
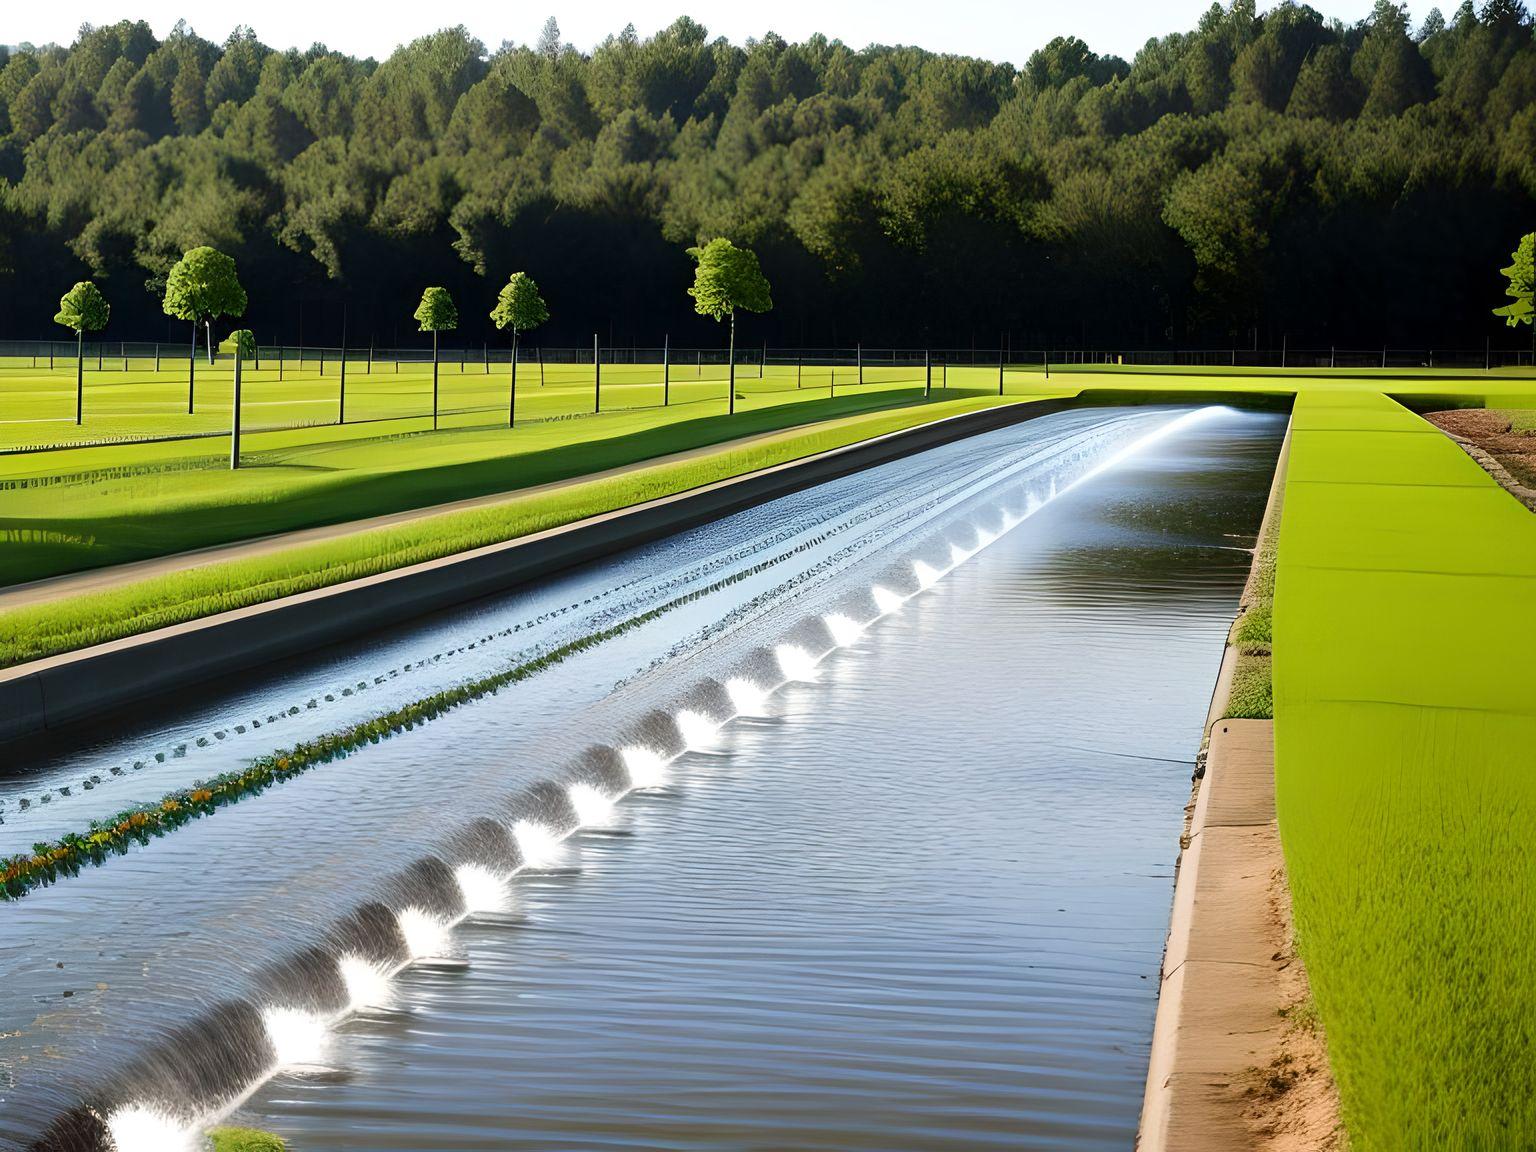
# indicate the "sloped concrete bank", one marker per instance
pixel 1237 1062
pixel 45 696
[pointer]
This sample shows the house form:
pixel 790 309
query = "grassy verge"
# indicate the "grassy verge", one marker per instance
pixel 48 629
pixel 1405 737
pixel 1252 694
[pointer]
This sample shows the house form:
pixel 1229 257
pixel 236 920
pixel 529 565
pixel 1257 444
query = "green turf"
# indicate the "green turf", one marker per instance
pixel 89 507
pixel 1406 772
pixel 59 626
pixel 244 1140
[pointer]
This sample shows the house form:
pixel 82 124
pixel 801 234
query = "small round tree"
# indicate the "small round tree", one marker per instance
pixel 202 286
pixel 728 278
pixel 520 308
pixel 84 309
pixel 435 314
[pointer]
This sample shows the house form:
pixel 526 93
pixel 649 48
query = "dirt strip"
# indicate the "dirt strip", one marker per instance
pixel 1238 1061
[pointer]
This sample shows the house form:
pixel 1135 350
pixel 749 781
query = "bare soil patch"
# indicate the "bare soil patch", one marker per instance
pixel 1502 442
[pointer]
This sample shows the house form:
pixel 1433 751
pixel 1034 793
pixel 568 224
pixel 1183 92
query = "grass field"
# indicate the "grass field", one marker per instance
pixel 76 508
pixel 1406 772
pixel 37 405
pixel 29 633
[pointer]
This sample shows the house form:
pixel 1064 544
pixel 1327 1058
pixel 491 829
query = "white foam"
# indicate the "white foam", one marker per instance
pixel 298 1038
pixel 927 575
pixel 795 662
pixel 844 630
pixel 537 843
pixel 484 890
pixel 697 729
pixel 746 697
pixel 368 984
pixel 142 1128
pixel 594 809
pixel 426 935
pixel 647 768
pixel 886 601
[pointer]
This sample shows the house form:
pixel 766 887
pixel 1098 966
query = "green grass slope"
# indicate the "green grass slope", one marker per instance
pixel 1406 772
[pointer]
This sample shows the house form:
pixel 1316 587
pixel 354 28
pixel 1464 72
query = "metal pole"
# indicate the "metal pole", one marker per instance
pixel 79 375
pixel 666 370
pixel 434 379
pixel 731 360
pixel 234 430
pixel 486 351
pixel 541 365
pixel 858 359
pixel 157 356
pixel 763 367
pixel 1000 370
pixel 1284 339
pixel 341 415
pixel 192 368
pixel 369 372
pixel 927 373
pixel 1383 355
pixel 799 367
pixel 1045 358
pixel 597 378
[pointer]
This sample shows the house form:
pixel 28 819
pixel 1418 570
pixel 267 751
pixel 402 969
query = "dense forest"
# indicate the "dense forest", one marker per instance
pixel 1259 175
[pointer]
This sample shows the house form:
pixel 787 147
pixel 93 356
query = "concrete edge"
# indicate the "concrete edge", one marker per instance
pixel 1170 1065
pixel 47 695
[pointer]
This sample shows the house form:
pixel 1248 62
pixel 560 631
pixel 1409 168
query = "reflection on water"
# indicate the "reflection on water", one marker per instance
pixel 912 897
pixel 918 905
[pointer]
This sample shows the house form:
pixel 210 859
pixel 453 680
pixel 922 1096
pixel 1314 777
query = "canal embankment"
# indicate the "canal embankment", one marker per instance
pixel 1238 1060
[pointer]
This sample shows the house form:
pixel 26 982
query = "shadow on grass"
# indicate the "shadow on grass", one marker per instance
pixel 341 496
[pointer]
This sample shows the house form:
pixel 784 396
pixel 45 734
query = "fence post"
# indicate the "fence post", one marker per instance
pixel 666 369
pixel 1383 355
pixel 234 430
pixel 1333 355
pixel 799 367
pixel 1046 359
pixel 282 356
pixel 341 409
pixel 541 365
pixel 700 370
pixel 322 360
pixel 763 366
pixel 597 378
pixel 858 359
pixel 999 371
pixel 1487 353
pixel 927 373
pixel 486 350
pixel 1284 339
pixel 157 357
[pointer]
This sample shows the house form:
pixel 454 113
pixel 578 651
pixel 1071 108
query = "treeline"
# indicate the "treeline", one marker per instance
pixel 1256 176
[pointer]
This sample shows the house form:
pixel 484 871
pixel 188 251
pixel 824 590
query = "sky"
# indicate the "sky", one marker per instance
pixel 1002 30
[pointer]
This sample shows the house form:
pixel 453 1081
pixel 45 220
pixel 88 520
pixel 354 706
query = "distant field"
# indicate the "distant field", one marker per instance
pixel 37 404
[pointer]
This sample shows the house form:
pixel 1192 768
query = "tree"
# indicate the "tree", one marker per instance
pixel 84 309
pixel 435 314
pixel 728 278
pixel 244 341
pixel 1521 275
pixel 520 308
pixel 202 286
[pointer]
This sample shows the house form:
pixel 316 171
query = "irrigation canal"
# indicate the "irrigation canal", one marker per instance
pixel 855 832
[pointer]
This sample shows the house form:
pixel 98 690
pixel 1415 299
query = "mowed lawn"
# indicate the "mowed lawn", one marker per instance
pixel 77 508
pixel 65 623
pixel 37 405
pixel 1406 772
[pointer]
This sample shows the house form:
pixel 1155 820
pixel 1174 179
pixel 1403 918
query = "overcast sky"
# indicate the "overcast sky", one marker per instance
pixel 996 29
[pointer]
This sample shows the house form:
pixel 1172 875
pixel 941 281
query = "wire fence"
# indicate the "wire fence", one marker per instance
pixel 139 392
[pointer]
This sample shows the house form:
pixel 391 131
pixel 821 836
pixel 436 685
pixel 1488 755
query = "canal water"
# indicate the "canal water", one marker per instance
pixel 864 841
